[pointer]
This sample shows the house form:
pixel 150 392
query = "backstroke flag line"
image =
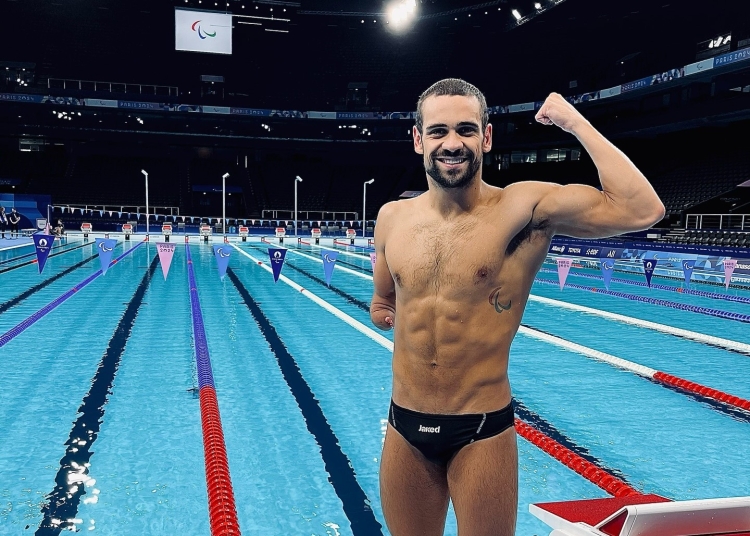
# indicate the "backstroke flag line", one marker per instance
pixel 277 256
pixel 329 263
pixel 608 268
pixel 43 244
pixel 729 266
pixel 649 265
pixel 105 247
pixel 563 267
pixel 166 252
pixel 222 254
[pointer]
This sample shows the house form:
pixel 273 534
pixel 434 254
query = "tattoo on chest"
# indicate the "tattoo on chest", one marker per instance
pixel 495 301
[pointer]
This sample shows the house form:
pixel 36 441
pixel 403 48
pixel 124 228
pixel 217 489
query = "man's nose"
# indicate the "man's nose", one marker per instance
pixel 452 143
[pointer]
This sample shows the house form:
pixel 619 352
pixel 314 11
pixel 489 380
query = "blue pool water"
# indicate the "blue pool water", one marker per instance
pixel 118 357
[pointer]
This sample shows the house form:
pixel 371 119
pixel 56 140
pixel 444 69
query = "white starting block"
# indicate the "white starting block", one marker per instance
pixel 205 232
pixel 280 234
pixel 351 235
pixel 127 230
pixel 166 230
pixel 646 515
pixel 244 231
pixel 316 232
pixel 86 229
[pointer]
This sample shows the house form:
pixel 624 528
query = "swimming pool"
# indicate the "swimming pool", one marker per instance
pixel 101 426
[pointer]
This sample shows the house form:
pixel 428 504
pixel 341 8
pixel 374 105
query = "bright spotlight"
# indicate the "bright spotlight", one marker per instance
pixel 537 6
pixel 401 12
pixel 516 14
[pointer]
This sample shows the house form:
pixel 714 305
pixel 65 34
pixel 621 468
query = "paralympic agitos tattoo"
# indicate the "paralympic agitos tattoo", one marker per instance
pixel 494 301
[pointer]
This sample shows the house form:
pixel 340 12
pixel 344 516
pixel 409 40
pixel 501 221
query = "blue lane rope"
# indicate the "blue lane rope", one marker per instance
pixel 702 293
pixel 202 358
pixel 739 317
pixel 14 332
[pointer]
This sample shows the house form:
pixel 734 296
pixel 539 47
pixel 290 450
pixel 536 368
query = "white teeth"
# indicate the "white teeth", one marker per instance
pixel 452 160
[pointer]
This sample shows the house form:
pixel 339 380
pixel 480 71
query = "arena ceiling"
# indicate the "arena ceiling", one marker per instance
pixel 326 44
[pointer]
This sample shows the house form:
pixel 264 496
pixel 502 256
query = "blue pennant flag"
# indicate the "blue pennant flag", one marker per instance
pixel 277 256
pixel 608 268
pixel 43 245
pixel 222 258
pixel 105 247
pixel 329 263
pixel 687 268
pixel 649 265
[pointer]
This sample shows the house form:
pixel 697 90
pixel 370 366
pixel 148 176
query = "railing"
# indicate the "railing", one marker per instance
pixel 112 87
pixel 160 211
pixel 279 214
pixel 736 222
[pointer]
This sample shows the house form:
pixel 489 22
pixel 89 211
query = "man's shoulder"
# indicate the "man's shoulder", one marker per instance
pixel 393 209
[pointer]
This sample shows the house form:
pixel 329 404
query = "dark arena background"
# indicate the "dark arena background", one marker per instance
pixel 245 123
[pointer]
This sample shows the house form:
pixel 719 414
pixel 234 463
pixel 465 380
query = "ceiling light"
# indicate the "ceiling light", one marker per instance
pixel 516 14
pixel 537 5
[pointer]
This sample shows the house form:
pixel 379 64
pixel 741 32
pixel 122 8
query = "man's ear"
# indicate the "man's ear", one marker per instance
pixel 487 139
pixel 417 135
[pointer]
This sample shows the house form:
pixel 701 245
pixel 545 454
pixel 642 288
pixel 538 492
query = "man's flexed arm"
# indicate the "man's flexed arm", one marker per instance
pixel 627 201
pixel 383 305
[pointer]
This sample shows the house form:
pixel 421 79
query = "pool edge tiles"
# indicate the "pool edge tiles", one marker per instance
pixel 221 504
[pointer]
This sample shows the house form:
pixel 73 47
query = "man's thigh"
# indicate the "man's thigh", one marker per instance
pixel 483 483
pixel 413 491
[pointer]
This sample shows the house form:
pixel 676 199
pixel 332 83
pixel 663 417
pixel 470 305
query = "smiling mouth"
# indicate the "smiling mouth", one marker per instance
pixel 450 161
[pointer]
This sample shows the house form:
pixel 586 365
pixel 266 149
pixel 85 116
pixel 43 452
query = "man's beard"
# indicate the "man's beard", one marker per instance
pixel 454 178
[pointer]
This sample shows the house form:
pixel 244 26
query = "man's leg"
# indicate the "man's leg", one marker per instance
pixel 483 483
pixel 413 491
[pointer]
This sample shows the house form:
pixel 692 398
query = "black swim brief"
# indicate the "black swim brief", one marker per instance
pixel 440 437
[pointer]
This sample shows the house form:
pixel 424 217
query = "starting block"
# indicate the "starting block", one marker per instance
pixel 280 234
pixel 646 515
pixel 86 228
pixel 315 232
pixel 350 235
pixel 244 231
pixel 166 230
pixel 127 230
pixel 205 232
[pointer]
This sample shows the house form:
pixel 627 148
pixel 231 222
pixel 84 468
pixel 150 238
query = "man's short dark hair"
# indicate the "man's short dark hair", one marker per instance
pixel 454 87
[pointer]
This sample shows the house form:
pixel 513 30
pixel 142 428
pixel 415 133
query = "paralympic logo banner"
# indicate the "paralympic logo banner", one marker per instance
pixel 608 268
pixel 687 267
pixel 329 263
pixel 166 252
pixel 43 244
pixel 563 267
pixel 105 247
pixel 649 265
pixel 729 266
pixel 222 254
pixel 277 256
pixel 203 31
pixel 373 258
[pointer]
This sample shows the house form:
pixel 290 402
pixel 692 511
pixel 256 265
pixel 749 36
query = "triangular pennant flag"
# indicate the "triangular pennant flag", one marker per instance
pixel 687 268
pixel 166 252
pixel 119 214
pixel 373 258
pixel 101 213
pixel 329 263
pixel 43 245
pixel 563 267
pixel 105 247
pixel 608 268
pixel 649 265
pixel 729 266
pixel 277 256
pixel 222 254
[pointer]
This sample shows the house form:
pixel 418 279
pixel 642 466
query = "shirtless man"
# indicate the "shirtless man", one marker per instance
pixel 454 270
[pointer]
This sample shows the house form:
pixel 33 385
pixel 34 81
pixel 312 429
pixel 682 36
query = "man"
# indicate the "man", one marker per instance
pixel 14 219
pixel 3 222
pixel 455 268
